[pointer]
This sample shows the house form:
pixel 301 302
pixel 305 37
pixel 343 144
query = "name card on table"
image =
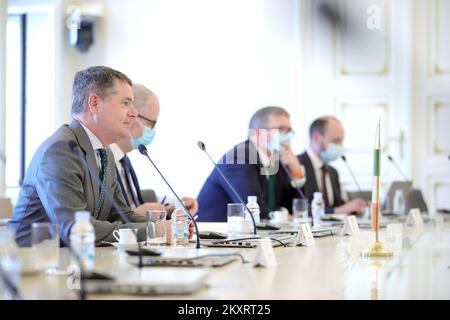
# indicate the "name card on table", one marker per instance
pixel 305 236
pixel 350 227
pixel 265 257
pixel 414 218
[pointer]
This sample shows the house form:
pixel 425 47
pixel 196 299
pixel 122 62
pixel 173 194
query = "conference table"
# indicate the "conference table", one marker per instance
pixel 333 268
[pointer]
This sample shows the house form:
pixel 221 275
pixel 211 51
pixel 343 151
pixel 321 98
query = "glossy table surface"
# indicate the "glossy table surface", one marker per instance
pixel 332 269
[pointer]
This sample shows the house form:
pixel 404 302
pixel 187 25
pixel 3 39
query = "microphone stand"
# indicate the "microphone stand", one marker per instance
pixel 302 195
pixel 398 168
pixel 143 150
pixel 354 179
pixel 202 147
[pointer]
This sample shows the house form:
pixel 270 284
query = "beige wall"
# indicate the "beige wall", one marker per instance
pixel 3 19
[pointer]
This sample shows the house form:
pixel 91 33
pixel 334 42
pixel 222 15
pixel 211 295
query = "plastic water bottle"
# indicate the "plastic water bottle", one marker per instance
pixel 180 228
pixel 82 239
pixel 317 207
pixel 399 202
pixel 253 206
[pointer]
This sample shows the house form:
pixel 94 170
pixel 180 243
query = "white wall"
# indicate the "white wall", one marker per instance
pixel 212 63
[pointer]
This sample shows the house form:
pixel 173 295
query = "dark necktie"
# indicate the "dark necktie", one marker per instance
pixel 271 201
pixel 324 186
pixel 103 168
pixel 126 164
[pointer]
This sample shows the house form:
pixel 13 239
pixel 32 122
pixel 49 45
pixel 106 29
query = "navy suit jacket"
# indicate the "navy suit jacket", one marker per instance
pixel 247 179
pixel 311 183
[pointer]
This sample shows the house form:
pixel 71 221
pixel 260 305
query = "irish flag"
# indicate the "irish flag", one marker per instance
pixel 376 180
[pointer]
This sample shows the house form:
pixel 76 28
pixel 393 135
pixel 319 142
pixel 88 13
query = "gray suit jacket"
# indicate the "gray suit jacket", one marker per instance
pixel 57 184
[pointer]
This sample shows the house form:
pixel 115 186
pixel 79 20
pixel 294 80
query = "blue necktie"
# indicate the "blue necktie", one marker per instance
pixel 127 168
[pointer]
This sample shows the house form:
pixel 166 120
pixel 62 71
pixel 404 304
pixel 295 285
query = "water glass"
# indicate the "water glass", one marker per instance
pixel 156 227
pixel 300 211
pixel 235 217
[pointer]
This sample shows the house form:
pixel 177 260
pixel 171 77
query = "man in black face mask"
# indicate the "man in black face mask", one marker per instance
pixel 326 137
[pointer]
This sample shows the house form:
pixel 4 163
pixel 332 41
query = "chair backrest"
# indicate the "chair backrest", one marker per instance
pixel 6 208
pixel 149 195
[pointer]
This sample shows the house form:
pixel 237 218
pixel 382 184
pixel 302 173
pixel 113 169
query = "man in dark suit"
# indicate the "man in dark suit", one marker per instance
pixel 252 168
pixel 57 184
pixel 142 132
pixel 326 137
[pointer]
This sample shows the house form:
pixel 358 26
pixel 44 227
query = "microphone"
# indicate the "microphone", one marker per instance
pixel 202 147
pixel 353 176
pixel 397 168
pixel 354 179
pixel 108 195
pixel 143 150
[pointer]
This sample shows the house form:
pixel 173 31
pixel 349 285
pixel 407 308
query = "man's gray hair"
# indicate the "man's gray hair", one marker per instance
pixel 98 80
pixel 141 95
pixel 261 117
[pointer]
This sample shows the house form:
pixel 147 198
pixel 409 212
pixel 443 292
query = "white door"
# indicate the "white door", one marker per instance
pixel 431 121
pixel 359 71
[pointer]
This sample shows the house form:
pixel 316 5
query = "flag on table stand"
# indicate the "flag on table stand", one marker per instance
pixel 376 181
pixel 377 250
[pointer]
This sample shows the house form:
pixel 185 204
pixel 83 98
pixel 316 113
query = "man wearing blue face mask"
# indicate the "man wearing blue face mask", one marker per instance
pixel 253 169
pixel 142 132
pixel 326 136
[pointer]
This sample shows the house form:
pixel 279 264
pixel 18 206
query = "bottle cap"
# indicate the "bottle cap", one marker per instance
pixel 82 216
pixel 317 195
pixel 252 199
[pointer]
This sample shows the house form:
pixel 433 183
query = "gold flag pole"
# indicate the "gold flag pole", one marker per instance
pixel 377 250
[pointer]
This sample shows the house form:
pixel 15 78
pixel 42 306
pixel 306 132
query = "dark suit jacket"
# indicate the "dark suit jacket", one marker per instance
pixel 311 183
pixel 57 184
pixel 247 179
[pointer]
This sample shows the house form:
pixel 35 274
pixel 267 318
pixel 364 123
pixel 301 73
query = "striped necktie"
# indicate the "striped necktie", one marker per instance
pixel 104 166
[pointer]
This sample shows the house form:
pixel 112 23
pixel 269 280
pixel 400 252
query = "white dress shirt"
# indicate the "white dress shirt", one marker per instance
pixel 317 165
pixel 95 142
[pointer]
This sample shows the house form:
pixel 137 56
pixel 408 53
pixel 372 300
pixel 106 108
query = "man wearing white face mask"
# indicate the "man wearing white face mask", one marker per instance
pixel 326 137
pixel 142 132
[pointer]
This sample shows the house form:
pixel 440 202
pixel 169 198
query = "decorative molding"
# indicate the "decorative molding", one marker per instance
pixel 434 32
pixel 342 105
pixel 435 104
pixel 436 185
pixel 339 45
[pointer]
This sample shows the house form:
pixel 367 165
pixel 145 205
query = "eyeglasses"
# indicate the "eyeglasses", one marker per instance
pixel 283 130
pixel 151 123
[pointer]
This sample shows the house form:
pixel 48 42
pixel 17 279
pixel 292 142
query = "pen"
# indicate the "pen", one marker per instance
pixel 163 199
